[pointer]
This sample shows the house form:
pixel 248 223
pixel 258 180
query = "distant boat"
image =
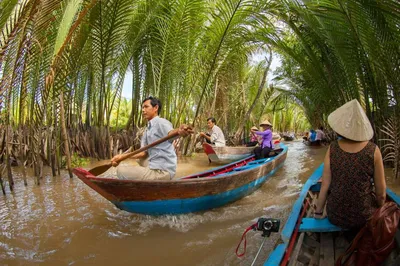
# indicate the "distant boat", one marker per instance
pixel 227 154
pixel 206 190
pixel 309 241
pixel 288 138
pixel 313 143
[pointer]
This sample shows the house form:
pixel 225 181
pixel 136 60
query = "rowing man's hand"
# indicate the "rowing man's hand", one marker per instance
pixel 184 130
pixel 116 159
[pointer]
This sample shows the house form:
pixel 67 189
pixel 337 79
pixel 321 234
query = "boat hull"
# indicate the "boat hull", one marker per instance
pixel 210 189
pixel 188 205
pixel 224 155
pixel 315 144
pixel 288 138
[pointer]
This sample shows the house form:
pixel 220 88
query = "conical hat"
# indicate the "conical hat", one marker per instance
pixel 254 128
pixel 266 123
pixel 351 122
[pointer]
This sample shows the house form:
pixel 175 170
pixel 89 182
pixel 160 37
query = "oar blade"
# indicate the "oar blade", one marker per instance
pixel 98 170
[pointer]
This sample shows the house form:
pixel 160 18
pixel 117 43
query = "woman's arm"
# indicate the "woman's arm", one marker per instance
pixel 379 178
pixel 263 133
pixel 326 182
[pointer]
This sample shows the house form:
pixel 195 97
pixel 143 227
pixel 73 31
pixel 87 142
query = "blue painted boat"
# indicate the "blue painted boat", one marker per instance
pixel 309 241
pixel 206 190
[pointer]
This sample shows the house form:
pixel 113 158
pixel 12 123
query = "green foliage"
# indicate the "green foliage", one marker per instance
pixel 335 51
pixel 391 144
pixel 195 55
pixel 76 161
pixel 120 117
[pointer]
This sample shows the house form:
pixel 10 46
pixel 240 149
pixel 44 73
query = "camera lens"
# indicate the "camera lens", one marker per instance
pixel 267 225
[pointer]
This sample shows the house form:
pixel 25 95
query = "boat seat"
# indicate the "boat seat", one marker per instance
pixel 318 225
pixel 221 175
pixel 259 161
pixel 245 167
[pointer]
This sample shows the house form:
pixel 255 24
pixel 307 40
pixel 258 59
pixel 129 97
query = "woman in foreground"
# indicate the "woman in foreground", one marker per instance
pixel 353 181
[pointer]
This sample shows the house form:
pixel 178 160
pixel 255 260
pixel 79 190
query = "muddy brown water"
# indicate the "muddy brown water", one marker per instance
pixel 64 222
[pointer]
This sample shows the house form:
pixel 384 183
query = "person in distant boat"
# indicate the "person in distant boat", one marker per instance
pixel 353 181
pixel 312 136
pixel 158 162
pixel 276 136
pixel 305 137
pixel 266 145
pixel 214 134
pixel 254 139
pixel 320 135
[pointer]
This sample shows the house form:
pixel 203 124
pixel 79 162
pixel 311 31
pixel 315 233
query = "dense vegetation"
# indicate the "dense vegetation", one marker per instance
pixel 63 63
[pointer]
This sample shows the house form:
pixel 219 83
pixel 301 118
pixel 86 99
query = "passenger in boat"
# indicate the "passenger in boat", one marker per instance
pixel 266 145
pixel 305 137
pixel 254 139
pixel 312 136
pixel 319 136
pixel 158 162
pixel 276 136
pixel 353 181
pixel 214 134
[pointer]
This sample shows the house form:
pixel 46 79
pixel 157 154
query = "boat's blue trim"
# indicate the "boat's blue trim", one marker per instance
pixel 318 225
pixel 393 196
pixel 180 206
pixel 276 256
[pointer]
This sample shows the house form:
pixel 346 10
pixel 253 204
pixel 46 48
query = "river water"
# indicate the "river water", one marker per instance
pixel 64 222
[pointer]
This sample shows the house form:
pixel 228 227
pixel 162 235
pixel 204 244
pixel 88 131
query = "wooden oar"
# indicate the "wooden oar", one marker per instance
pixel 98 170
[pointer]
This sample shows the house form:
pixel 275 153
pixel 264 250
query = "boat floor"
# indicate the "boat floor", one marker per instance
pixel 325 248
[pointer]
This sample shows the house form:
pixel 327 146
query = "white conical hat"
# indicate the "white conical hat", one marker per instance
pixel 266 123
pixel 351 122
pixel 254 127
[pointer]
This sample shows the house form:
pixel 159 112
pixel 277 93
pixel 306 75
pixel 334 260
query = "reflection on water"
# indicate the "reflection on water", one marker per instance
pixel 64 222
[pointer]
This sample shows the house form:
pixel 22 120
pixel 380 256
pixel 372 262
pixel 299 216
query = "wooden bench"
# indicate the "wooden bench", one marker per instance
pixel 318 225
pixel 260 161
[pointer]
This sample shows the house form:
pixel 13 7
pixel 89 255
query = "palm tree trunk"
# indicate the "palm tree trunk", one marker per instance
pixel 260 89
pixel 65 135
pixel 212 111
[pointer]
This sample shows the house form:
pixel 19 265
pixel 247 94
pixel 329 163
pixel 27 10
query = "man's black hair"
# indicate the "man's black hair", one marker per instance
pixel 154 101
pixel 321 128
pixel 212 120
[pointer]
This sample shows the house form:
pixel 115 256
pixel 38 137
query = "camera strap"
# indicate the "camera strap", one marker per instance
pixel 254 226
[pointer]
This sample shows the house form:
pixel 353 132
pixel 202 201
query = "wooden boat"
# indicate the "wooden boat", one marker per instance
pixel 288 138
pixel 199 192
pixel 309 241
pixel 313 143
pixel 276 136
pixel 224 155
